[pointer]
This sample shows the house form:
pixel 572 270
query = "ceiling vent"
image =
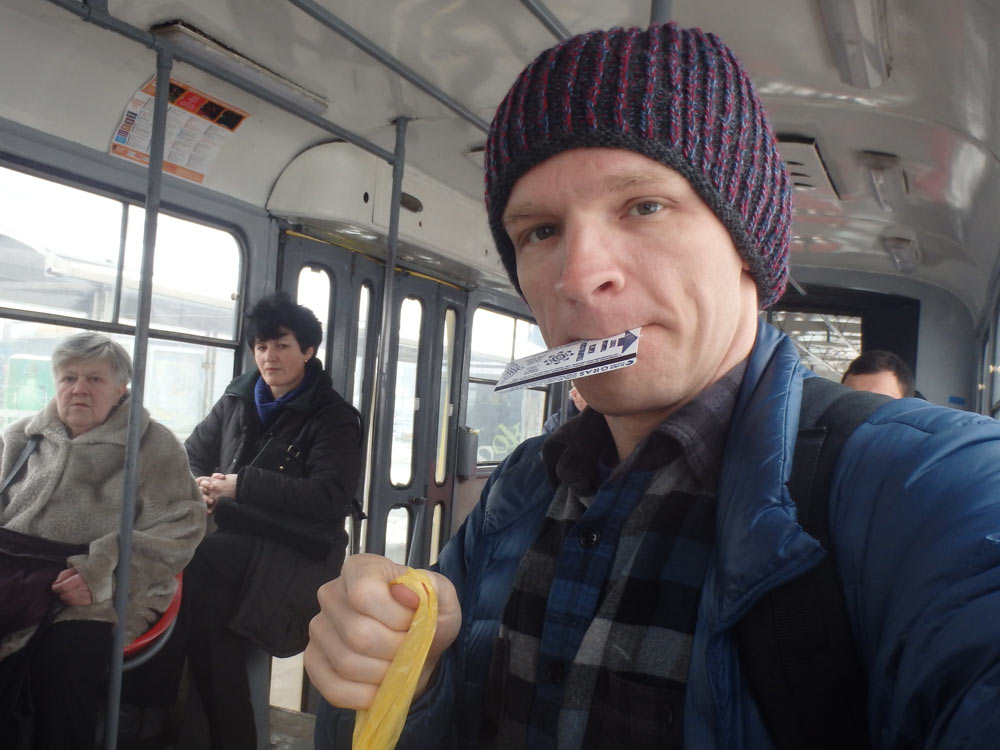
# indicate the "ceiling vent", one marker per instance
pixel 198 48
pixel 814 190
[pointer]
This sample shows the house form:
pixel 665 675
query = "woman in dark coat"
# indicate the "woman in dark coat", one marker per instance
pixel 278 461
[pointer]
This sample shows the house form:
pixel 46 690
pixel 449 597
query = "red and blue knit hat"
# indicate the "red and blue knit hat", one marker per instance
pixel 678 96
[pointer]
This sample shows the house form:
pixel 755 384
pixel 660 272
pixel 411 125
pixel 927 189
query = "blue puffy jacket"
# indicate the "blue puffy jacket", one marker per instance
pixel 915 528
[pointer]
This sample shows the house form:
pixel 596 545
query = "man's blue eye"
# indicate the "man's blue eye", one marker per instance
pixel 645 208
pixel 541 233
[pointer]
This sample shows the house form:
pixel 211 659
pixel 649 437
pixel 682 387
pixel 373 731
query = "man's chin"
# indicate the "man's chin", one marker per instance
pixel 624 394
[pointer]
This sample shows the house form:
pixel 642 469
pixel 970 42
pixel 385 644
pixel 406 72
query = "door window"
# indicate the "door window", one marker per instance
pixel 405 403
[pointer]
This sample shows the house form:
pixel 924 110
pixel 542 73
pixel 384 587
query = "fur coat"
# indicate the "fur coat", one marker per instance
pixel 71 491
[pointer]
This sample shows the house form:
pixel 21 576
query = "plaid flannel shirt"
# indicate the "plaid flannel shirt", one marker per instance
pixel 596 635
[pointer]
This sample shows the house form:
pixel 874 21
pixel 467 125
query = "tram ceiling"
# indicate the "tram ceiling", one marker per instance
pixel 446 64
pixel 443 64
pixel 191 54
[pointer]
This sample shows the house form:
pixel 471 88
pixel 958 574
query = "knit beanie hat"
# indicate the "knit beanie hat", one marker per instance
pixel 678 96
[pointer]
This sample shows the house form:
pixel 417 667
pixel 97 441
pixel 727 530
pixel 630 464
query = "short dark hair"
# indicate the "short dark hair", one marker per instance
pixel 270 314
pixel 878 360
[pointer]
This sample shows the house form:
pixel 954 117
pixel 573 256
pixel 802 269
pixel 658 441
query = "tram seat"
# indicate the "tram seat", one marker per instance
pixel 145 646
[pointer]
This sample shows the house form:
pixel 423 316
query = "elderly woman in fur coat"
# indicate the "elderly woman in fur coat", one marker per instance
pixel 70 491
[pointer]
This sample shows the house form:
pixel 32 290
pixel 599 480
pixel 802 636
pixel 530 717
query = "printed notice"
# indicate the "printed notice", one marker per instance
pixel 576 360
pixel 197 127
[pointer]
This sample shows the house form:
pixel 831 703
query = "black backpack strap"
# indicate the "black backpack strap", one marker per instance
pixel 796 645
pixel 28 449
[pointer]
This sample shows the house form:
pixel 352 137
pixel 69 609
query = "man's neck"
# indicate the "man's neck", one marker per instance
pixel 629 431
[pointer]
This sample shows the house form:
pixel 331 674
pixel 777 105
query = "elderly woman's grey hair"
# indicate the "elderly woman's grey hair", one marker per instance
pixel 90 346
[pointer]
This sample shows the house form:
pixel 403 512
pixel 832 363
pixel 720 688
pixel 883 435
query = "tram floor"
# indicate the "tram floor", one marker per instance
pixel 291 730
pixel 186 725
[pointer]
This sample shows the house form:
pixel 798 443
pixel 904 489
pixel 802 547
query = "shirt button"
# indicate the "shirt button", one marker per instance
pixel 555 672
pixel 590 538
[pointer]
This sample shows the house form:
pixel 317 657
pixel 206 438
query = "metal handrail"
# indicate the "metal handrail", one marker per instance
pixel 325 17
pixel 100 17
pixel 154 177
pixel 547 18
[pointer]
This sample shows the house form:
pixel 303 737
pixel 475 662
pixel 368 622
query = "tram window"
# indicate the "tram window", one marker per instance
pixel 444 399
pixel 503 419
pixel 71 253
pixel 60 247
pixel 436 521
pixel 361 352
pixel 527 339
pixel 492 339
pixel 202 302
pixel 397 532
pixel 405 401
pixel 827 342
pixel 313 291
pixel 182 380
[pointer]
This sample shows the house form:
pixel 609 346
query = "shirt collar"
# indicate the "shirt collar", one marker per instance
pixel 698 429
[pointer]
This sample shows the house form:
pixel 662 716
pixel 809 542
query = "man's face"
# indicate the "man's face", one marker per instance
pixel 607 240
pixel 883 382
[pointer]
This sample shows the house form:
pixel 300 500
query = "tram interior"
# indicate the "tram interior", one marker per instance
pixel 887 113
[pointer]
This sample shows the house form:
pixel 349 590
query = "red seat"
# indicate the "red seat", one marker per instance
pixel 147 644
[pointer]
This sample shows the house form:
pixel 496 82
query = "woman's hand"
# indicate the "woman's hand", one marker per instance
pixel 216 486
pixel 70 587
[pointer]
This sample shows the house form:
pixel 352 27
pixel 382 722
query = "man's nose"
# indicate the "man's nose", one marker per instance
pixel 591 263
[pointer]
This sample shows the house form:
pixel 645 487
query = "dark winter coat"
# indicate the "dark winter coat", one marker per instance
pixel 295 486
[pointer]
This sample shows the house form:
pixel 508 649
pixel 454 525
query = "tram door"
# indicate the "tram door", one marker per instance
pixel 343 289
pixel 413 473
pixel 410 477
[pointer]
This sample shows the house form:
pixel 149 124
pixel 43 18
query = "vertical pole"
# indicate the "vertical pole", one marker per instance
pixel 116 303
pixel 659 11
pixel 383 355
pixel 164 63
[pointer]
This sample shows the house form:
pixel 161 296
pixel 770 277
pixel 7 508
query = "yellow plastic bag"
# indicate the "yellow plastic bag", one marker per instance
pixel 378 727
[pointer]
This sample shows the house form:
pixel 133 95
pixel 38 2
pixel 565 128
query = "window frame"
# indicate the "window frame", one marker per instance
pixel 231 343
pixel 127 197
pixel 484 468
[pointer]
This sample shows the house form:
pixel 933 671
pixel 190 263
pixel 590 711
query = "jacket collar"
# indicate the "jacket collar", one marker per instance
pixel 759 543
pixel 113 430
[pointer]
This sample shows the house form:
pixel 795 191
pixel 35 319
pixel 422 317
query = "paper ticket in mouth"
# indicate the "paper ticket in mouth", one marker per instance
pixel 576 360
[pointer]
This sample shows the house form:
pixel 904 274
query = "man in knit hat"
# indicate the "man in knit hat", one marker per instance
pixel 596 595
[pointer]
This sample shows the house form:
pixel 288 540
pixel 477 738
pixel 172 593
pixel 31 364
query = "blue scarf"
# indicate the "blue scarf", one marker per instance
pixel 269 407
